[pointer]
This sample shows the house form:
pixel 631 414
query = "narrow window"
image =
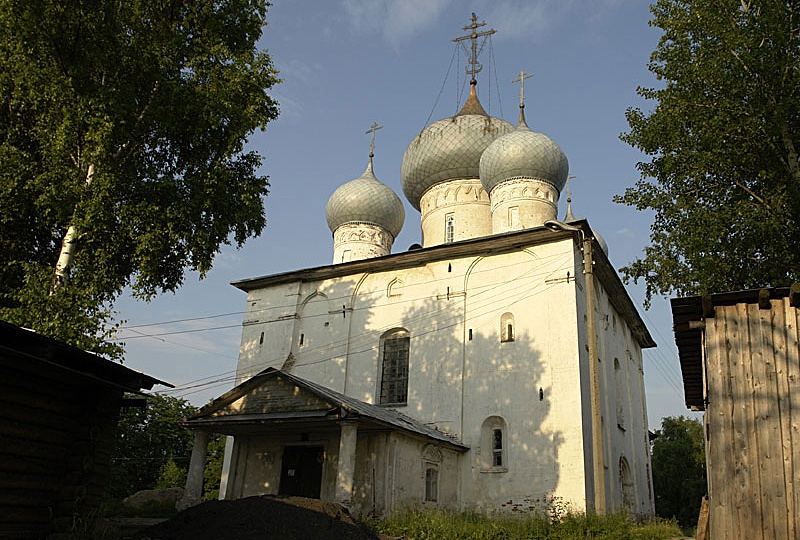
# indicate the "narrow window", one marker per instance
pixel 449 267
pixel 302 339
pixel 497 448
pixel 394 376
pixel 619 379
pixel 470 334
pixel 347 255
pixel 493 456
pixel 507 327
pixel 431 484
pixel 449 228
pixel 513 217
pixel 261 339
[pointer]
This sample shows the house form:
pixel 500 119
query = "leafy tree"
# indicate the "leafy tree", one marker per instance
pixel 122 133
pixel 679 469
pixel 152 446
pixel 723 179
pixel 213 471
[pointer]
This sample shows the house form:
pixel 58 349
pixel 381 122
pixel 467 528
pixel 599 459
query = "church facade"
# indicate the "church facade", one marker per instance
pixel 496 367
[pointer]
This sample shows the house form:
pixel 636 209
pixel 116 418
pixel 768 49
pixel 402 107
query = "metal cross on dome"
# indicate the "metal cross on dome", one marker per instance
pixel 474 66
pixel 521 81
pixel 372 129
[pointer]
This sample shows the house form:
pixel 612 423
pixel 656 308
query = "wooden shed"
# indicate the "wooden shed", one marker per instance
pixel 59 407
pixel 741 365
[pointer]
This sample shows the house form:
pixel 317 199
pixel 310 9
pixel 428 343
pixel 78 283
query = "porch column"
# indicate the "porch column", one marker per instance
pixel 193 493
pixel 347 462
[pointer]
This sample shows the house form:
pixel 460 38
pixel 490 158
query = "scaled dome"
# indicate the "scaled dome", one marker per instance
pixel 365 200
pixel 449 148
pixel 523 154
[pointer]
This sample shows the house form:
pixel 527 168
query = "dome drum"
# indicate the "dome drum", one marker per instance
pixel 453 211
pixel 522 204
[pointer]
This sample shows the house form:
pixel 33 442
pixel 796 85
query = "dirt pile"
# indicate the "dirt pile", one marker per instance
pixel 263 517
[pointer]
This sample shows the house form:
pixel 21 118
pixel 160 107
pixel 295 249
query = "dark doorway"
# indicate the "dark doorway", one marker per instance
pixel 301 471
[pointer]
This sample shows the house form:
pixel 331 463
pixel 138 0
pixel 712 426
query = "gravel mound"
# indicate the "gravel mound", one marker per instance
pixel 262 517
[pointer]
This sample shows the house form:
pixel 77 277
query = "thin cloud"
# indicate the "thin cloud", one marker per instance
pixel 396 21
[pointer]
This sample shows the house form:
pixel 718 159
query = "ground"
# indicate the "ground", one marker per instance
pixel 263 517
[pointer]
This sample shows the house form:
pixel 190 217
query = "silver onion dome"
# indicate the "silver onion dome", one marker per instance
pixel 449 148
pixel 365 200
pixel 523 153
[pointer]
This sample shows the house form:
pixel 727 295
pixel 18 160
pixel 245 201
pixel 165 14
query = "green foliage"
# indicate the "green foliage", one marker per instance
pixel 158 98
pixel 213 470
pixel 679 470
pixel 147 441
pixel 171 475
pixel 723 177
pixel 419 523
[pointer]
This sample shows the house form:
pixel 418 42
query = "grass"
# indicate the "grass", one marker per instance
pixel 424 524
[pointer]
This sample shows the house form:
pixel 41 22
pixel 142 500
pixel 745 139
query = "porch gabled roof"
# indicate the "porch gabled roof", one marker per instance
pixel 274 397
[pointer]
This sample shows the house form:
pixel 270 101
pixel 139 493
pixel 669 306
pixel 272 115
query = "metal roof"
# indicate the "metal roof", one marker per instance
pixel 346 407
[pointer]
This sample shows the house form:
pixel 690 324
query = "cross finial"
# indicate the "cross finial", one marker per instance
pixel 569 216
pixel 474 66
pixel 372 129
pixel 521 81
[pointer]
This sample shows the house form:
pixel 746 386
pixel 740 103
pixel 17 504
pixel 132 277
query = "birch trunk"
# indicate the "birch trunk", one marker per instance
pixel 68 244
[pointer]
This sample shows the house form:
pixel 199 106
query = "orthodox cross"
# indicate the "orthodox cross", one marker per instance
pixel 372 129
pixel 521 81
pixel 474 66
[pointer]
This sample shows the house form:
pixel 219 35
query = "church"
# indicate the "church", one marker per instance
pixel 495 367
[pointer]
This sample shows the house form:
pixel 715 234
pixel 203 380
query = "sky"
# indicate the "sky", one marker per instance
pixel 348 63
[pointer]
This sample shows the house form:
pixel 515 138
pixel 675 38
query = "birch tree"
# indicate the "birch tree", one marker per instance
pixel 122 151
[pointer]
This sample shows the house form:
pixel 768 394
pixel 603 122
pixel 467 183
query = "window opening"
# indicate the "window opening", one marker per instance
pixel 449 228
pixel 394 378
pixel 449 267
pixel 513 217
pixel 507 327
pixel 470 334
pixel 302 339
pixel 497 448
pixel 431 484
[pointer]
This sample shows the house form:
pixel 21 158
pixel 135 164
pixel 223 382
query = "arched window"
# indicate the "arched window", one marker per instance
pixel 619 380
pixel 394 368
pixel 494 446
pixel 507 327
pixel 431 460
pixel 626 484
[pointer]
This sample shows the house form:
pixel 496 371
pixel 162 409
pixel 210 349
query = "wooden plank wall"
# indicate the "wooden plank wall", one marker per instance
pixel 753 421
pixel 56 439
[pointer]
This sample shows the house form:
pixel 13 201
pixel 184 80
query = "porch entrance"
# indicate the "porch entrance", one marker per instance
pixel 301 471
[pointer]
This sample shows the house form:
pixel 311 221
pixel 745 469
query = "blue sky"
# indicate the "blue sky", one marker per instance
pixel 347 63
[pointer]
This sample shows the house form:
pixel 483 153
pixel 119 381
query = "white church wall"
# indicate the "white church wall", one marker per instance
pixel 267 329
pixel 624 412
pixel 544 433
pixel 463 370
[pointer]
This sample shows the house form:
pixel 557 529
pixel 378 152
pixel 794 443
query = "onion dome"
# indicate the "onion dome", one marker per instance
pixel 600 241
pixel 523 153
pixel 365 200
pixel 449 148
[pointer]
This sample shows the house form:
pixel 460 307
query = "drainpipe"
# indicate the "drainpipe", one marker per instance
pixel 598 467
